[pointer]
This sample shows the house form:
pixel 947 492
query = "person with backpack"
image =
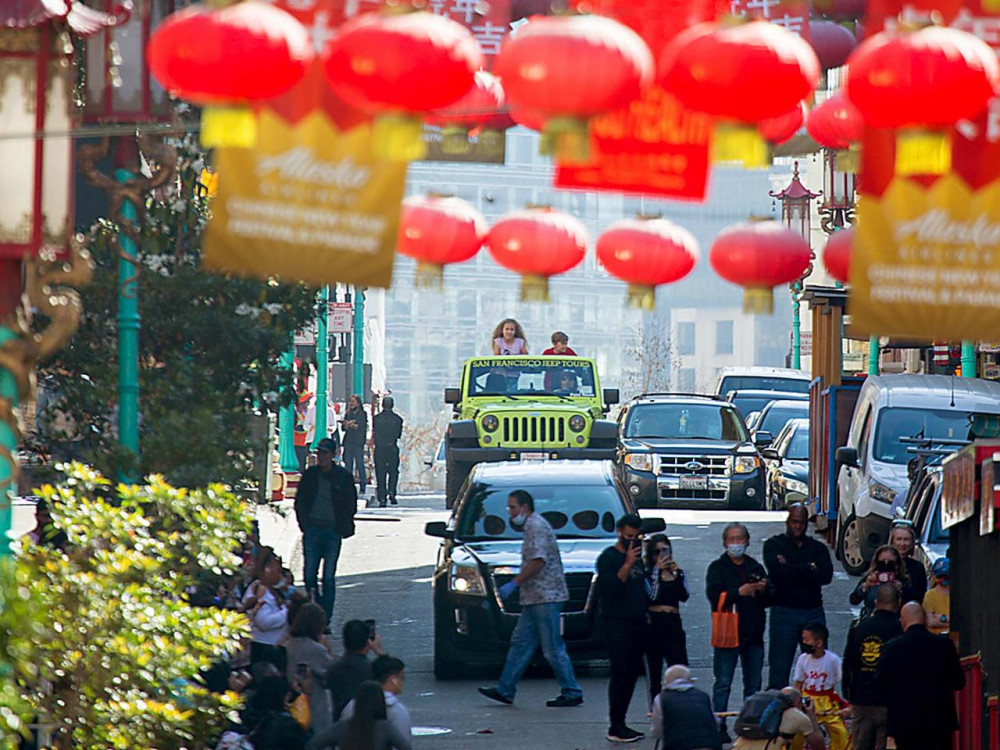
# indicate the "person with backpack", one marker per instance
pixel 682 714
pixel 773 719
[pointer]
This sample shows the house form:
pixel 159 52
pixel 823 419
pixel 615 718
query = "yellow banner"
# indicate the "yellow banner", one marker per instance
pixel 309 203
pixel 926 262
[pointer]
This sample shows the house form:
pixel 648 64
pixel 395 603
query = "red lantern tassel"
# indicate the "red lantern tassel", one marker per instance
pixel 642 296
pixel 758 301
pixel 534 288
pixel 429 276
pixel 398 137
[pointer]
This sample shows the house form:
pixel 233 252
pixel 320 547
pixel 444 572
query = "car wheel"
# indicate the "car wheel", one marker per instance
pixel 456 473
pixel 850 547
pixel 444 668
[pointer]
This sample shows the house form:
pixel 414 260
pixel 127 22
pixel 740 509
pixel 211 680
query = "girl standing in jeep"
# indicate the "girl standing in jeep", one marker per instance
pixel 508 338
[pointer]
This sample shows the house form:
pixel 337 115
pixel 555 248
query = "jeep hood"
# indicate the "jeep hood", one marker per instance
pixel 578 555
pixel 524 407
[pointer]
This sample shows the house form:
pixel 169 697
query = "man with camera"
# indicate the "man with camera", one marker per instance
pixel 354 667
pixel 621 588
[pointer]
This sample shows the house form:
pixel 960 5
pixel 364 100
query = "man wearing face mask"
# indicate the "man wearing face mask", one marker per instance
pixel 542 587
pixel 744 582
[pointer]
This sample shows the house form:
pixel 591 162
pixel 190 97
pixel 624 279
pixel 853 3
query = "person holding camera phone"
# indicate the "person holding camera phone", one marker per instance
pixel 666 588
pixel 354 667
pixel 621 588
pixel 887 566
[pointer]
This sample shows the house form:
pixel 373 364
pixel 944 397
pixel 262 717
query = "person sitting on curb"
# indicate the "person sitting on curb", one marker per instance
pixel 682 715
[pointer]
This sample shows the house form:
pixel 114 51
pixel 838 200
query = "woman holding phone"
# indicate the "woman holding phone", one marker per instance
pixel 887 566
pixel 308 655
pixel 666 588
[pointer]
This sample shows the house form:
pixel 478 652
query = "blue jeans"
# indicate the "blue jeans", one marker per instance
pixel 538 626
pixel 751 658
pixel 354 462
pixel 786 635
pixel 321 544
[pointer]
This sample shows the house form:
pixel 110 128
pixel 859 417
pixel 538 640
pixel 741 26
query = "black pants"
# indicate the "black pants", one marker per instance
pixel 665 642
pixel 386 472
pixel 625 641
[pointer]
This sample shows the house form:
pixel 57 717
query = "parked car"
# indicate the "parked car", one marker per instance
pixel 750 401
pixel 779 379
pixel 787 463
pixel 923 510
pixel 436 465
pixel 776 414
pixel 891 413
pixel 480 551
pixel 685 451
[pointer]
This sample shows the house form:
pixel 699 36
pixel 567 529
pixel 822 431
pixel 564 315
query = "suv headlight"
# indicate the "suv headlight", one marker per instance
pixel 745 464
pixel 639 461
pixel 878 491
pixel 577 423
pixel 490 423
pixel 466 579
pixel 794 485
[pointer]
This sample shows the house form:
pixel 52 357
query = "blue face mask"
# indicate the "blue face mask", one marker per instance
pixel 736 551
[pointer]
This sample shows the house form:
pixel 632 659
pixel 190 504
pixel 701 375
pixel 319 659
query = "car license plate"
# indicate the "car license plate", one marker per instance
pixel 694 483
pixel 541 456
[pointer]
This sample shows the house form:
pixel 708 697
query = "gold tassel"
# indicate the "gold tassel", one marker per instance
pixel 922 151
pixel 429 276
pixel 741 143
pixel 235 127
pixel 534 288
pixel 568 140
pixel 757 301
pixel 455 140
pixel 398 138
pixel 848 159
pixel 641 296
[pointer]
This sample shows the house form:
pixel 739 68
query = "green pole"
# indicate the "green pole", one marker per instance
pixel 358 376
pixel 128 339
pixel 322 365
pixel 968 359
pixel 8 446
pixel 796 329
pixel 286 422
pixel 873 355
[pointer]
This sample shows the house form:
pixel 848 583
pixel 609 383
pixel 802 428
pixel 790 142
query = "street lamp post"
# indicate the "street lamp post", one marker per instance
pixel 796 214
pixel 286 420
pixel 322 366
pixel 358 357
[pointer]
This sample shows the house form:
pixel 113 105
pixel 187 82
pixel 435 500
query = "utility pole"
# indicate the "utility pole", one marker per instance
pixel 128 336
pixel 968 359
pixel 322 366
pixel 358 358
pixel 286 419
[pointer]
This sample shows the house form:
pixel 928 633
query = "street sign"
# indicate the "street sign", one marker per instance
pixel 341 317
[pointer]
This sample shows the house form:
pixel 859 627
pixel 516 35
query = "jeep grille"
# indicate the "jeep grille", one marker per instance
pixel 532 430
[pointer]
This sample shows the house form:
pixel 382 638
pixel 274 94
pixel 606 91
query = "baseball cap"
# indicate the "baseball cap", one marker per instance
pixel 327 444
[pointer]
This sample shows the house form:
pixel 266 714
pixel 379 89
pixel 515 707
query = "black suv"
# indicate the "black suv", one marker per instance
pixel 688 451
pixel 480 552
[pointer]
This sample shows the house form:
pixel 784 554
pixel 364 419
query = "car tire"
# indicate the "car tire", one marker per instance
pixel 444 668
pixel 849 547
pixel 456 473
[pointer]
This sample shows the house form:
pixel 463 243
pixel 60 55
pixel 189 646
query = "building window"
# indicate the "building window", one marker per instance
pixel 724 337
pixel 685 378
pixel 685 339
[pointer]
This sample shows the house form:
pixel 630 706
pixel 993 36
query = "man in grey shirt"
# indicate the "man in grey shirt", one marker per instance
pixel 542 593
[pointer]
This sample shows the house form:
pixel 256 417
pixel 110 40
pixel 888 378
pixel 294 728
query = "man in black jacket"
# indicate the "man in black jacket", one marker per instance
pixel 355 427
pixel 799 567
pixel 621 589
pixel 919 674
pixel 744 582
pixel 324 507
pixel 387 428
pixel 862 655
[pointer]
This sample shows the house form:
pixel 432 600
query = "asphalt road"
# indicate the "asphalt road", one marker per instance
pixel 385 573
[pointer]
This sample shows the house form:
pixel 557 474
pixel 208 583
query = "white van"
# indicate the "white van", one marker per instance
pixel 761 379
pixel 872 465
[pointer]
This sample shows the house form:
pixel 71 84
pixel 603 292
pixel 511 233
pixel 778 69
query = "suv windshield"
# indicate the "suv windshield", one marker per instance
pixel 761 383
pixel 798 448
pixel 573 511
pixel 773 419
pixel 941 424
pixel 526 376
pixel 710 421
pixel 749 403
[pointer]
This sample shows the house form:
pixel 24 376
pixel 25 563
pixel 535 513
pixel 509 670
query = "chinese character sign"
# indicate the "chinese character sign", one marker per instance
pixel 791 14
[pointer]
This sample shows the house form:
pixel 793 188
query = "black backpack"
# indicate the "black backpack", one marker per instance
pixel 760 716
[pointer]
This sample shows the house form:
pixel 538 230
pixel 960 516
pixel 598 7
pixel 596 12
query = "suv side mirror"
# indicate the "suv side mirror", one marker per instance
pixel 770 453
pixel 847 456
pixel 611 396
pixel 653 525
pixel 762 438
pixel 438 529
pixel 452 395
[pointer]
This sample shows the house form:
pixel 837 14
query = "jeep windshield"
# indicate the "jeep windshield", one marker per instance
pixel 525 377
pixel 709 421
pixel 927 424
pixel 573 511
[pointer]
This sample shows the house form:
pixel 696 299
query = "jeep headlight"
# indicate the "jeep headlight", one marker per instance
pixel 490 423
pixel 878 491
pixel 466 579
pixel 639 461
pixel 745 464
pixel 577 423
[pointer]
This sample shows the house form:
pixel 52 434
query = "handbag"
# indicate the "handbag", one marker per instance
pixel 725 625
pixel 299 709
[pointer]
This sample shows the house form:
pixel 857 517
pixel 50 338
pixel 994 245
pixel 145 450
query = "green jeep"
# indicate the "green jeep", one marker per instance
pixel 527 407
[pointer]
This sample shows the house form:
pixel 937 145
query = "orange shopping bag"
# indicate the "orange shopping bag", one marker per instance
pixel 725 625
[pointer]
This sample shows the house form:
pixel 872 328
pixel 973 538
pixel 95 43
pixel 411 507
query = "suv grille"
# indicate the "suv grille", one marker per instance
pixel 532 430
pixel 712 466
pixel 577 583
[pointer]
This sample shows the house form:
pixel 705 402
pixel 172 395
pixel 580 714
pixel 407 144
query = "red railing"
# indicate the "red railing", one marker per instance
pixel 969 702
pixel 992 706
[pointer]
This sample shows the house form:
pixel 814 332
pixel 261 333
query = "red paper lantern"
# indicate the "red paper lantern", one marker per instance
pixel 780 129
pixel 438 230
pixel 398 66
pixel 646 253
pixel 837 255
pixel 482 109
pixel 526 118
pixel 741 72
pixel 759 256
pixel 922 82
pixel 832 43
pixel 571 68
pixel 537 243
pixel 835 123
pixel 227 57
